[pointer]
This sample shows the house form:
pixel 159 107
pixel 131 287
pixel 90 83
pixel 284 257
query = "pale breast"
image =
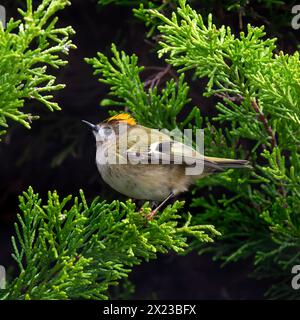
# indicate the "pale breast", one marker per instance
pixel 147 182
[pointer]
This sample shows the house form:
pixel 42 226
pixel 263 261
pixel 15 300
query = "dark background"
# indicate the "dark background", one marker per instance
pixel 58 152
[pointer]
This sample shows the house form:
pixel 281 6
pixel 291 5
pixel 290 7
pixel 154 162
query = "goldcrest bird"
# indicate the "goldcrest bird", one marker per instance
pixel 158 164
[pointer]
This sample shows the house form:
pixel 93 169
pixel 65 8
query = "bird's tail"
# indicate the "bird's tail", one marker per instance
pixel 221 164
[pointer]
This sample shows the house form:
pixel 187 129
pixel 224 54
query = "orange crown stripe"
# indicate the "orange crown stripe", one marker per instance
pixel 123 117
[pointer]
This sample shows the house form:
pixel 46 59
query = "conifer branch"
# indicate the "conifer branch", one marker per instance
pixel 69 249
pixel 264 120
pixel 261 219
pixel 29 46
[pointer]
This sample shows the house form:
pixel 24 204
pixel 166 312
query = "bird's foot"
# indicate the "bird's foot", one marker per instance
pixel 150 215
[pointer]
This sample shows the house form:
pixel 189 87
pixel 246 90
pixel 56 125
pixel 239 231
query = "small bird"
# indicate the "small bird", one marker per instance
pixel 158 164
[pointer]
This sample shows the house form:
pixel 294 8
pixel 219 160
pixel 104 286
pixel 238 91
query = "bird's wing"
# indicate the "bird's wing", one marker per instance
pixel 163 149
pixel 169 152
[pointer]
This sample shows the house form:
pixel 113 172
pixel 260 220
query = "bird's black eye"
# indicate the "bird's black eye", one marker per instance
pixel 107 131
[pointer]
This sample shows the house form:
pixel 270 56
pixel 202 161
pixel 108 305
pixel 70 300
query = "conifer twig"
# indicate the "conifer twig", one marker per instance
pixel 155 81
pixel 264 121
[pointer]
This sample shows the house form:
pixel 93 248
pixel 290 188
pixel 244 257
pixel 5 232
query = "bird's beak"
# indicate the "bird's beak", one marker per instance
pixel 91 126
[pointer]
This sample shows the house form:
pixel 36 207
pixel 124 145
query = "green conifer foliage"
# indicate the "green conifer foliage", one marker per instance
pixel 68 249
pixel 259 92
pixel 28 47
pixel 258 88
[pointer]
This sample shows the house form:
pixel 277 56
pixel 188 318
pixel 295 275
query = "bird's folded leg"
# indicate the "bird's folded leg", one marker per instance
pixel 152 214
